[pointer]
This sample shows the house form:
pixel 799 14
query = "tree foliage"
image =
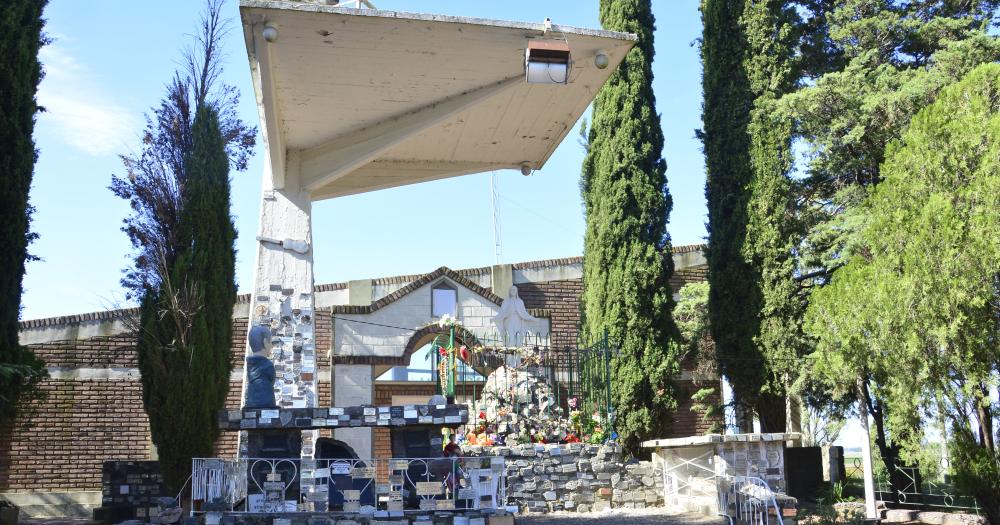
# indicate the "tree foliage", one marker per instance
pixel 748 53
pixel 20 72
pixel 734 299
pixel 698 347
pixel 917 306
pixel 184 268
pixel 627 257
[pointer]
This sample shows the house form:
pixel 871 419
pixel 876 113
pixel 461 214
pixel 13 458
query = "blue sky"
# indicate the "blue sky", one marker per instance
pixel 108 64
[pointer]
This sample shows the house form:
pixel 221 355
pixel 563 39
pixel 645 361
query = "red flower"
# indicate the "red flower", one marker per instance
pixel 482 415
pixel 463 352
pixel 442 351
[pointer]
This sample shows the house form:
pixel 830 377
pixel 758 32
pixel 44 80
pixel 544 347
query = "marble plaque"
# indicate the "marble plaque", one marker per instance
pixel 429 488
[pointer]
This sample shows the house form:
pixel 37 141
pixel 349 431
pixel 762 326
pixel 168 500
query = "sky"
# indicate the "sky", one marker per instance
pixel 108 64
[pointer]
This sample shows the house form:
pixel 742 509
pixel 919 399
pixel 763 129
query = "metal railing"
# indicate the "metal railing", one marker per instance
pixel 748 500
pixel 361 486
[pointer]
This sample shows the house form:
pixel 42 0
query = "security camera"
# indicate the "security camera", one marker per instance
pixel 525 169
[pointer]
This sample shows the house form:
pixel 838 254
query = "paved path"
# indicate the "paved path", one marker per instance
pixel 653 516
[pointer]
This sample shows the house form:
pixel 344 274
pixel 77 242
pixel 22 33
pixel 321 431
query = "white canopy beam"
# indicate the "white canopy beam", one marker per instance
pixel 328 162
pixel 262 72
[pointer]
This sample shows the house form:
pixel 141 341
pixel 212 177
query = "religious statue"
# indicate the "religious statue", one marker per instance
pixel 512 317
pixel 260 370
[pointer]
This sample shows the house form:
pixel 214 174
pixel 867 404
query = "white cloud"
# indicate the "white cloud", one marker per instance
pixel 79 109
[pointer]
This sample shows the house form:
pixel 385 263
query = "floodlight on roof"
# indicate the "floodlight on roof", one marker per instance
pixel 547 62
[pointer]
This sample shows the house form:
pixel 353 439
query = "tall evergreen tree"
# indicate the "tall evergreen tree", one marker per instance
pixel 889 60
pixel 770 31
pixel 183 272
pixel 185 361
pixel 916 307
pixel 627 257
pixel 20 39
pixel 734 297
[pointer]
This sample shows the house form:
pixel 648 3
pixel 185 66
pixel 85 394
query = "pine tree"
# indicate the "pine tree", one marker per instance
pixel 915 307
pixel 20 39
pixel 627 259
pixel 185 361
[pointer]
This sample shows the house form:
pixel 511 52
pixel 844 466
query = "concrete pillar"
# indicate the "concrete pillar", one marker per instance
pixel 282 295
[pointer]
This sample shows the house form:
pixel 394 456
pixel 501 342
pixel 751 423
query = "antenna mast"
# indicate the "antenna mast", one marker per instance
pixel 495 193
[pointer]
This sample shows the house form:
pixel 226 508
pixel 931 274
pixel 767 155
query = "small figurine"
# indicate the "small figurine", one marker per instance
pixel 260 370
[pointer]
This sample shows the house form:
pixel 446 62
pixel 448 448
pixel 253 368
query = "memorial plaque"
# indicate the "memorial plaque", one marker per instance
pixel 336 411
pixel 383 409
pixel 428 504
pixel 445 504
pixel 370 419
pixel 425 419
pixel 363 472
pixel 369 411
pixel 429 488
pixel 394 505
pixel 466 493
pixel 318 422
pixel 352 495
pixel 394 495
pixel 340 469
pixel 274 486
pixel 398 464
pixel 410 414
pixel 269 414
pixel 323 473
pixel 352 506
pixel 382 488
pixel 395 479
pixel 394 412
pixel 452 419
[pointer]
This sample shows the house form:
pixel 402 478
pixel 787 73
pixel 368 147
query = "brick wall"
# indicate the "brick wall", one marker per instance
pixel 73 430
pixel 562 298
pixel 81 423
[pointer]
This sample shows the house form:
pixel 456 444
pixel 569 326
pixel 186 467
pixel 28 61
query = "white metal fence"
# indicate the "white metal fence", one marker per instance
pixel 362 486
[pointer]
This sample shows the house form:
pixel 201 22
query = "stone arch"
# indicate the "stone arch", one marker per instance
pixel 427 334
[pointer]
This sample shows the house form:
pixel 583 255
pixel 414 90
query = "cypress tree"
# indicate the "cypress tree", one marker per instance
pixel 769 65
pixel 627 259
pixel 185 361
pixel 734 298
pixel 20 72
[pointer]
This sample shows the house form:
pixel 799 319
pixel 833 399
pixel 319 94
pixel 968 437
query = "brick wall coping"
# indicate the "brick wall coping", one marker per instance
pixel 464 274
pixel 709 439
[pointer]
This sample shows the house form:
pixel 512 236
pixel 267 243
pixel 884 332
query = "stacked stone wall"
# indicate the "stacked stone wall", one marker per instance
pixel 576 476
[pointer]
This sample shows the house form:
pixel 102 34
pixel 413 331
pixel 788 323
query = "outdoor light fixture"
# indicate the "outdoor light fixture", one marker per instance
pixel 601 60
pixel 547 62
pixel 270 34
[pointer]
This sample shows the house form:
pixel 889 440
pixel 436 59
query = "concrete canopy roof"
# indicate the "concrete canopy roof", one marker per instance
pixel 355 100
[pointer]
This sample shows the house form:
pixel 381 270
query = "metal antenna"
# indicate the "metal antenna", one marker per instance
pixel 495 193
